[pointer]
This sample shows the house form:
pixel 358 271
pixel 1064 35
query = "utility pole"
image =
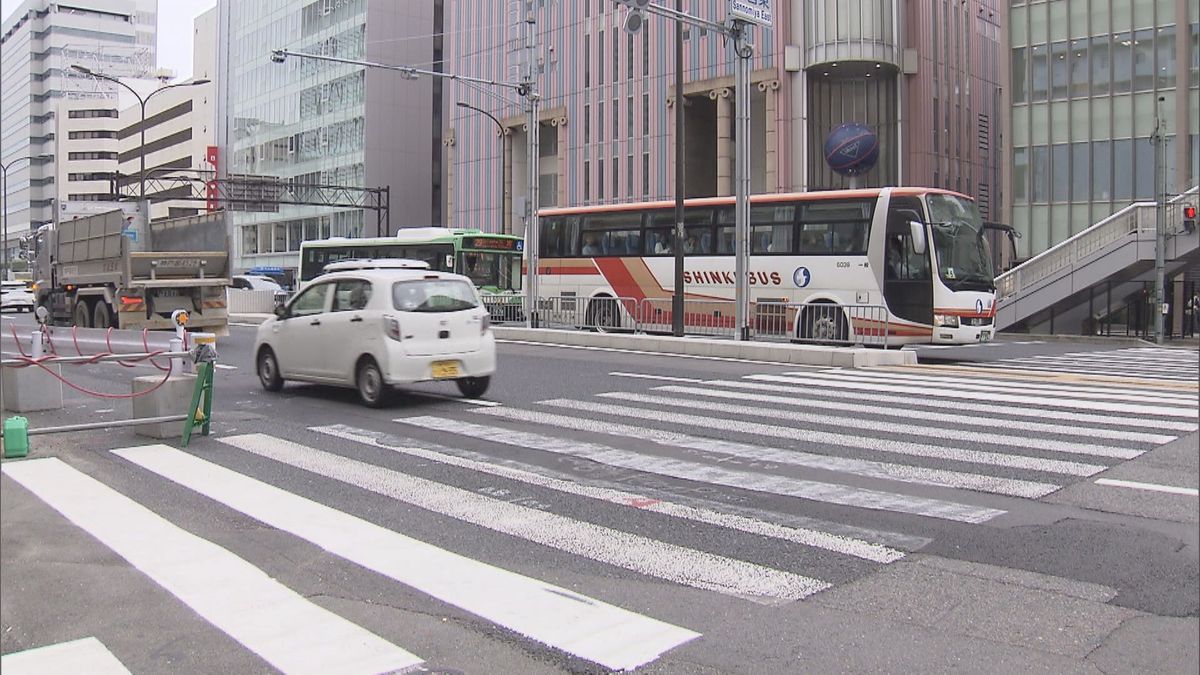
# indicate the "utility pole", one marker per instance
pixel 529 80
pixel 736 29
pixel 677 300
pixel 1160 231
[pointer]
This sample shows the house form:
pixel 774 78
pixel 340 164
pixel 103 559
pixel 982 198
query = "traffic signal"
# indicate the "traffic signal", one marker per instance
pixel 1189 218
pixel 637 14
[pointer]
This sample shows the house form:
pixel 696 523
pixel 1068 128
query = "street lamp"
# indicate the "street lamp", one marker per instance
pixel 500 128
pixel 4 188
pixel 142 102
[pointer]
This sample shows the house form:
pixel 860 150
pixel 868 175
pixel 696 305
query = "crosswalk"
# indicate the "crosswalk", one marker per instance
pixel 630 477
pixel 1172 364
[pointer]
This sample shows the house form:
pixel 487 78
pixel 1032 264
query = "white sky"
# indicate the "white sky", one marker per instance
pixel 174 30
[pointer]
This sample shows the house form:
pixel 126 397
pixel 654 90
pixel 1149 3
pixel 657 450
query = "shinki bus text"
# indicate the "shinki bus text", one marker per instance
pixel 920 254
pixel 492 261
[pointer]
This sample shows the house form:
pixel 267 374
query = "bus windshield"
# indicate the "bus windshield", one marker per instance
pixel 492 272
pixel 963 255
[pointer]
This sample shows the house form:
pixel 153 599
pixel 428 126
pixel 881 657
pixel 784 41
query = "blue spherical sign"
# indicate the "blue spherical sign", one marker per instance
pixel 852 149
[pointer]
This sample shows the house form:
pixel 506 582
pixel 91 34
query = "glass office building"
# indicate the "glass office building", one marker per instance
pixel 1086 78
pixel 310 122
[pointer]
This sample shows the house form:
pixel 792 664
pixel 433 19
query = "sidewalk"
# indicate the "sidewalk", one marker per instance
pixel 770 352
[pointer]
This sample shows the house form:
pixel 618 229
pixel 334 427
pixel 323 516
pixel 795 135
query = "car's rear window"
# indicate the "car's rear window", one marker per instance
pixel 433 295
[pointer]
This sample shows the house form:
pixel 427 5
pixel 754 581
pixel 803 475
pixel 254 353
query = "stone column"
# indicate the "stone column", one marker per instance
pixel 771 89
pixel 559 124
pixel 724 99
pixel 448 143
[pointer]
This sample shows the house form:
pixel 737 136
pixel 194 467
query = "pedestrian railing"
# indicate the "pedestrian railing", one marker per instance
pixel 814 323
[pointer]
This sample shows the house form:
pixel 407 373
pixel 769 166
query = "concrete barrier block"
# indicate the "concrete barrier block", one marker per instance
pixel 32 389
pixel 172 398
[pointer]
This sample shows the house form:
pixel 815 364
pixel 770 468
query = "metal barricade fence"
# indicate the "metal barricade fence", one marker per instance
pixel 815 323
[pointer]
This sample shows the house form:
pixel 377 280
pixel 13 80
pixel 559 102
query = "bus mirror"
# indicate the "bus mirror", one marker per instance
pixel 918 237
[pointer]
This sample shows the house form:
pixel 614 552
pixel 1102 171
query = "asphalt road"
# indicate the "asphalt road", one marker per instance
pixel 601 509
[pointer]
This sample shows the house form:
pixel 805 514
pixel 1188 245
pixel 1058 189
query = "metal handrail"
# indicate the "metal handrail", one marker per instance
pixel 1070 251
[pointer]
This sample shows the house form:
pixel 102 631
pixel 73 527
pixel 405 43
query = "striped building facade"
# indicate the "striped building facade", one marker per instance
pixel 923 74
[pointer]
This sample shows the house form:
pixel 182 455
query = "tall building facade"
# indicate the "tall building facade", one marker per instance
pixel 314 122
pixel 39 42
pixel 924 75
pixel 1087 76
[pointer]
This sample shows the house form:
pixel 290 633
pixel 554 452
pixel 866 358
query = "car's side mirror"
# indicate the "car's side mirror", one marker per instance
pixel 918 237
pixel 281 311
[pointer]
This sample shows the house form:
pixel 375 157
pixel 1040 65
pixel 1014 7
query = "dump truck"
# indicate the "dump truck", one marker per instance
pixel 113 269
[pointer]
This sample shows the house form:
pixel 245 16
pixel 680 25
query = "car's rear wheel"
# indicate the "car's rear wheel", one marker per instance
pixel 268 371
pixel 372 390
pixel 473 387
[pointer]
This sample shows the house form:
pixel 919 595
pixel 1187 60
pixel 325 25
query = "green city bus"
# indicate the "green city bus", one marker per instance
pixel 492 261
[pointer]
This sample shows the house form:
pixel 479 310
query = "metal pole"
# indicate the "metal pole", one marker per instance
pixel 4 239
pixel 1160 238
pixel 742 180
pixel 534 147
pixel 677 300
pixel 142 154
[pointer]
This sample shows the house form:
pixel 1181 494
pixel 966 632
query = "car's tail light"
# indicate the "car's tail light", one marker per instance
pixel 485 323
pixel 391 327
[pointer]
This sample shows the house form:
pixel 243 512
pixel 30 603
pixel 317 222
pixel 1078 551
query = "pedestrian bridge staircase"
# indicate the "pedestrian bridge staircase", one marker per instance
pixel 1071 287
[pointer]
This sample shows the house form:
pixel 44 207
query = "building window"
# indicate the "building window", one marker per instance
pixel 629 176
pixel 1018 75
pixel 587 181
pixel 75 135
pixel 1143 60
pixel 1040 174
pixel 1081 180
pixel 600 180
pixel 629 57
pixel 587 61
pixel 616 164
pixel 600 58
pixel 587 124
pixel 250 240
pixel 1079 68
pixel 616 118
pixel 1020 174
pixel 646 114
pixel 629 118
pixel 600 121
pixel 1123 175
pixel 616 47
pixel 91 155
pixel 1060 69
pixel 1060 173
pixel 1101 171
pixel 1144 168
pixel 645 174
pixel 1165 45
pixel 1039 75
pixel 1101 66
pixel 89 114
pixel 937 137
pixel 646 54
pixel 1122 60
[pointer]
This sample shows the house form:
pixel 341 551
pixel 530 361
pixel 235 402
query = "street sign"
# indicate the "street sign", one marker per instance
pixel 755 11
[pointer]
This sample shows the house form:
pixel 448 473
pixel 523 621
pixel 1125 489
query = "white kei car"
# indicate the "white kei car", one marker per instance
pixel 16 295
pixel 372 324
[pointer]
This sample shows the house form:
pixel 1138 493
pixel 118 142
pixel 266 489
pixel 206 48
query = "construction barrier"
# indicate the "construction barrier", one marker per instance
pixel 44 358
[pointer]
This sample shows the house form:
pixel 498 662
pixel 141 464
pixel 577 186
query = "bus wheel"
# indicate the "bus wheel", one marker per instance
pixel 603 315
pixel 81 315
pixel 825 324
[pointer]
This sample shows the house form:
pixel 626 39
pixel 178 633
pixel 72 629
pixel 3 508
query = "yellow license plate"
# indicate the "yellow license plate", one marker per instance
pixel 445 369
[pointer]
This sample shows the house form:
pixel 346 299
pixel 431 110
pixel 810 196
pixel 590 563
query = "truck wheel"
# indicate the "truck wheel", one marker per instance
pixel 81 315
pixel 101 316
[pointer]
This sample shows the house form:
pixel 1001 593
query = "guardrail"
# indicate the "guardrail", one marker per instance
pixel 1137 217
pixel 815 323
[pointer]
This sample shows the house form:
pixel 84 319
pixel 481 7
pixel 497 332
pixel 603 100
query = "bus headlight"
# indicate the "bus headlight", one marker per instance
pixel 945 320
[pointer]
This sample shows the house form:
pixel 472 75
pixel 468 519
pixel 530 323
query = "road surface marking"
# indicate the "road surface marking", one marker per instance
pixel 830 493
pixel 927 391
pixel 807 537
pixel 929 399
pixel 86 655
pixel 584 627
pixel 271 620
pixel 663 378
pixel 640 352
pixel 484 403
pixel 949 419
pixel 633 552
pixel 859 467
pixel 1148 486
pixel 844 440
pixel 894 428
pixel 987 384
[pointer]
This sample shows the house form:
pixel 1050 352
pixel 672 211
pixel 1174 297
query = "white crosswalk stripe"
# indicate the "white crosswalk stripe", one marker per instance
pixel 814 490
pixel 639 554
pixel 558 617
pixel 286 630
pixel 86 655
pixel 1142 363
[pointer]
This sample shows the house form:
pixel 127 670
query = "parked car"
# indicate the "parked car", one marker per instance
pixel 373 324
pixel 16 295
pixel 255 282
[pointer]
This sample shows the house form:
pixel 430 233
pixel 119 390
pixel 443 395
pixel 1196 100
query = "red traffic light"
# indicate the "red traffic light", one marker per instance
pixel 1189 212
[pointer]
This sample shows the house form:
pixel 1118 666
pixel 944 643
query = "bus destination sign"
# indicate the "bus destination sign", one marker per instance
pixel 490 244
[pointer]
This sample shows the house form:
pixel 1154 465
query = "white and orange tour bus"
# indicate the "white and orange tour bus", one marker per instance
pixel 918 257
